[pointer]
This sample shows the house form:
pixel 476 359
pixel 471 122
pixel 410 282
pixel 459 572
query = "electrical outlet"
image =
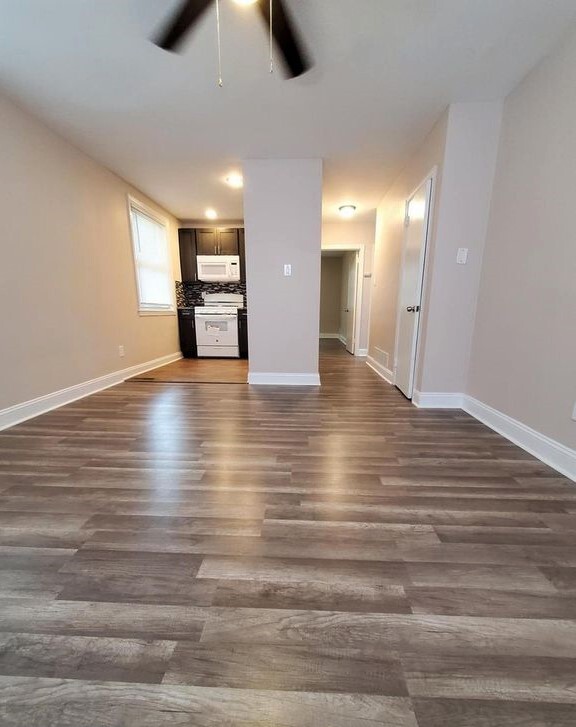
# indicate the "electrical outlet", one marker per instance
pixel 287 270
pixel 121 351
pixel 574 413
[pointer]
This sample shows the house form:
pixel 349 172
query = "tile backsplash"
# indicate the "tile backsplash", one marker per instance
pixel 190 294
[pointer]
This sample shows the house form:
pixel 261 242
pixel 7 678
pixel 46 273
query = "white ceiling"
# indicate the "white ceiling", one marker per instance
pixel 385 70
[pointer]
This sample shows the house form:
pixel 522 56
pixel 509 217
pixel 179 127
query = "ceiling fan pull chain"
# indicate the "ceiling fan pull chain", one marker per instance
pixel 271 43
pixel 220 83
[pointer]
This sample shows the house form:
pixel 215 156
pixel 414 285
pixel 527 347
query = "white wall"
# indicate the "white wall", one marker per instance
pixel 283 218
pixel 210 224
pixel 462 150
pixel 462 209
pixel 67 284
pixel 390 239
pixel 348 232
pixel 524 348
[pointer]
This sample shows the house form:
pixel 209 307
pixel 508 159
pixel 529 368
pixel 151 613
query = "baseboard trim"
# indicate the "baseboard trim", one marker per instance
pixel 34 407
pixel 342 339
pixel 382 371
pixel 330 335
pixel 437 400
pixel 549 451
pixel 363 352
pixel 281 379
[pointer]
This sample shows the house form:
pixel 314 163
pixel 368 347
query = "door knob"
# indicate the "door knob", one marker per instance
pixel 413 308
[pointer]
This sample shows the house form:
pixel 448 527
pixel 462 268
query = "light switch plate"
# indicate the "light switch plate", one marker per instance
pixel 462 256
pixel 574 413
pixel 287 270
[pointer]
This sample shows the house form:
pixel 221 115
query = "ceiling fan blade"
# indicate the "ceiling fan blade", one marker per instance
pixel 180 23
pixel 286 37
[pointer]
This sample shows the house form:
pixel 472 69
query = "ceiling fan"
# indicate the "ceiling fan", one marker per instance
pixel 283 29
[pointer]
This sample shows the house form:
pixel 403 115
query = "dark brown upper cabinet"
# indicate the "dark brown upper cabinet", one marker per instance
pixel 187 245
pixel 242 253
pixel 217 241
pixel 195 241
pixel 206 242
pixel 228 242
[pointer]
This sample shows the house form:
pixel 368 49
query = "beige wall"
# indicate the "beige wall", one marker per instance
pixel 67 283
pixel 348 232
pixel 330 294
pixel 524 348
pixel 390 238
pixel 283 218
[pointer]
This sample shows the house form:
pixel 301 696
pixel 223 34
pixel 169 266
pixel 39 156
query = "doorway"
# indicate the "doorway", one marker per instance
pixel 339 296
pixel 417 223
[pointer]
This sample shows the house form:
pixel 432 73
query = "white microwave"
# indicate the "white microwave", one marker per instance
pixel 218 268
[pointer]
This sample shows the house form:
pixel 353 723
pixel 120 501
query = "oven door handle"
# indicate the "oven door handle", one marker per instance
pixel 218 316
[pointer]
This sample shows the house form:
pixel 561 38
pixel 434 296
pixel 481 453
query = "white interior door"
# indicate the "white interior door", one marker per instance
pixel 417 214
pixel 351 268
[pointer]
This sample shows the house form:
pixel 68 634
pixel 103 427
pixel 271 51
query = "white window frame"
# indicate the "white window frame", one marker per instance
pixel 143 308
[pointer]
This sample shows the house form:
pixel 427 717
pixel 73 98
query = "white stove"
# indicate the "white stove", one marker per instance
pixel 217 325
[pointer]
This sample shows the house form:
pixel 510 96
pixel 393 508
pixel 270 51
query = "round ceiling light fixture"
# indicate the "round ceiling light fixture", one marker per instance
pixel 347 210
pixel 211 214
pixel 235 180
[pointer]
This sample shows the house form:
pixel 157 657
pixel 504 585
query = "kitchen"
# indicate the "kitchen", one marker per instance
pixel 211 307
pixel 211 300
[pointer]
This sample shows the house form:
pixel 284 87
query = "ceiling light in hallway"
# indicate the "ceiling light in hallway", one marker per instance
pixel 245 2
pixel 235 180
pixel 347 210
pixel 211 214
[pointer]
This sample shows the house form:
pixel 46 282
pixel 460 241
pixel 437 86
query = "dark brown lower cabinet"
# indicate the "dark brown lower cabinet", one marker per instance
pixel 243 334
pixel 187 331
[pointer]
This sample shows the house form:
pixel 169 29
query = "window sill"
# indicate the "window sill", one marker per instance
pixel 147 313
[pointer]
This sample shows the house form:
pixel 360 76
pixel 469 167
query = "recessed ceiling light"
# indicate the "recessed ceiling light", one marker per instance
pixel 245 2
pixel 211 214
pixel 347 210
pixel 235 180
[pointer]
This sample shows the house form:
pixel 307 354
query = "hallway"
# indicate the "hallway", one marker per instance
pixel 210 555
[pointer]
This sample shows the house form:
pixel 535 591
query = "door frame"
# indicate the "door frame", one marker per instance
pixel 423 275
pixel 359 249
pixel 356 273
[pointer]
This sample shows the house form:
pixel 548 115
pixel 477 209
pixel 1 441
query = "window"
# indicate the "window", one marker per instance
pixel 151 260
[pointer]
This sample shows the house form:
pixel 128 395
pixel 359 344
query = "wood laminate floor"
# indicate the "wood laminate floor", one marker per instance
pixel 235 556
pixel 199 371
